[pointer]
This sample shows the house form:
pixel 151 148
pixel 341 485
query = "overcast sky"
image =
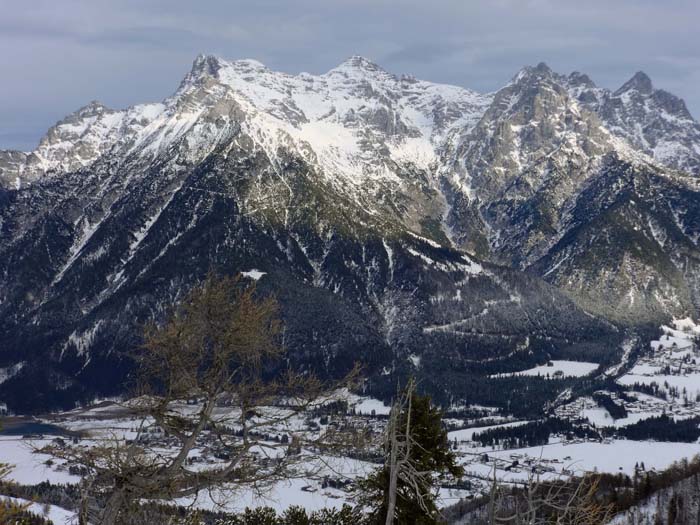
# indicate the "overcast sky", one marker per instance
pixel 57 55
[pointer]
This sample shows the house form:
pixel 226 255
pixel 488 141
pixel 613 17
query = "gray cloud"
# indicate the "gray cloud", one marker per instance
pixel 59 55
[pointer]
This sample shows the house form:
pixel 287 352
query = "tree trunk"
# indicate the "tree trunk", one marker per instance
pixel 112 508
pixel 393 466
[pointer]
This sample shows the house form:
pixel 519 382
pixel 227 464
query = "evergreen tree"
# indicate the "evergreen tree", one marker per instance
pixel 417 457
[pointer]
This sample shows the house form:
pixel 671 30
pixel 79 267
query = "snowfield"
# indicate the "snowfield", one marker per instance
pixel 30 468
pixel 561 368
pixel 56 514
pixel 303 492
pixel 466 434
pixel 367 405
pixel 690 382
pixel 558 458
pixel 617 456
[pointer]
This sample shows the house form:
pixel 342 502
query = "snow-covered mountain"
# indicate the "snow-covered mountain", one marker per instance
pixel 549 167
pixel 412 225
pixel 651 120
pixel 351 121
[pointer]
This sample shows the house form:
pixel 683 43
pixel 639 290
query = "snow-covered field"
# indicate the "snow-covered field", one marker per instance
pixel 632 417
pixel 367 405
pixel 304 492
pixel 559 368
pixel 466 434
pixel 111 421
pixel 29 467
pixel 56 514
pixel 676 350
pixel 559 458
pixel 689 382
pixel 618 456
pixel 672 363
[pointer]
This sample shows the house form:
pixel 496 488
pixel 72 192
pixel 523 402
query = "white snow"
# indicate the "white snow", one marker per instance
pixel 673 361
pixel 424 239
pixel 53 513
pixel 415 360
pixel 617 456
pixel 29 467
pixel 253 274
pixel 390 257
pixel 598 416
pixel 82 341
pixel 336 120
pixel 283 494
pixel 466 434
pixel 9 372
pixel 468 266
pixel 561 368
pixel 88 230
pixel 365 405
pixel 645 369
pixel 689 382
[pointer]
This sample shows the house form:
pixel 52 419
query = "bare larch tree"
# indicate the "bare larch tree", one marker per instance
pixel 211 377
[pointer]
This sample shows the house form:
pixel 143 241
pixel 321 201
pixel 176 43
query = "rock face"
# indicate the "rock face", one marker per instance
pixel 412 226
pixel 561 189
pixel 651 120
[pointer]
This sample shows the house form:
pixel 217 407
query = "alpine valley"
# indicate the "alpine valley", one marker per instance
pixel 413 227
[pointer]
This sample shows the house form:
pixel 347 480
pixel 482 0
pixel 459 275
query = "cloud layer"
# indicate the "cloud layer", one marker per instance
pixel 60 55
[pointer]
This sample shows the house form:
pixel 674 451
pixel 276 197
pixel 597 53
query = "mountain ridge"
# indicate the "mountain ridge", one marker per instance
pixel 399 222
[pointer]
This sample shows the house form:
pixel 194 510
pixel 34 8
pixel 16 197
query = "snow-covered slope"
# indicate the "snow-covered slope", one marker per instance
pixel 76 142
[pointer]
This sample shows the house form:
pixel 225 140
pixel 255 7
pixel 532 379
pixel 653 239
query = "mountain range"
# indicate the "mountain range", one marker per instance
pixel 415 227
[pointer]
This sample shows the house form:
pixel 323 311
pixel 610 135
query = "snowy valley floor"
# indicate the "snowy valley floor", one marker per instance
pixel 671 364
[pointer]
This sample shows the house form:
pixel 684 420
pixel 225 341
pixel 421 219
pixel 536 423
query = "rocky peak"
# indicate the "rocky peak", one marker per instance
pixel 578 79
pixel 95 107
pixel 85 114
pixel 672 104
pixel 332 113
pixel 246 159
pixel 205 65
pixel 651 120
pixel 357 66
pixel 639 91
pixel 543 68
pixel 533 74
pixel 359 62
pixel 533 93
pixel 583 89
pixel 640 82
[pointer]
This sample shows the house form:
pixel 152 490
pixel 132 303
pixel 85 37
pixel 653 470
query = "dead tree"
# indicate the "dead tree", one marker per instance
pixel 565 500
pixel 417 456
pixel 400 441
pixel 210 379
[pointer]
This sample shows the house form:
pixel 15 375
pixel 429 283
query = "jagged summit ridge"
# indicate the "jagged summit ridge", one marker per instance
pixel 530 73
pixel 653 121
pixel 343 117
pixel 355 95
